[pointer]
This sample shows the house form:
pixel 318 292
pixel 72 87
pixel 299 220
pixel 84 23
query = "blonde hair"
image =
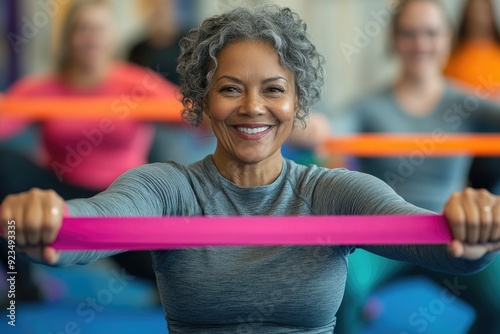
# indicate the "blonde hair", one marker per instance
pixel 64 51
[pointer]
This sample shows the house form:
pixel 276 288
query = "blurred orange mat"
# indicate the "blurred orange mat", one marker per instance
pixel 385 145
pixel 125 107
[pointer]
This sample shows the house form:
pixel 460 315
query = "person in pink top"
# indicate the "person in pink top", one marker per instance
pixel 86 68
pixel 91 153
pixel 80 158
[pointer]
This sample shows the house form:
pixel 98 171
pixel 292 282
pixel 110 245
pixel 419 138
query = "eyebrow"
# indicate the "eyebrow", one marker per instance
pixel 234 79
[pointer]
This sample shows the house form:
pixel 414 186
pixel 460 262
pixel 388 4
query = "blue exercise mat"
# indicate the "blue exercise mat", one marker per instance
pixel 428 308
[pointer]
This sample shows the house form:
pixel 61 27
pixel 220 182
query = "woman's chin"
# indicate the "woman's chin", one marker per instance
pixel 421 72
pixel 254 156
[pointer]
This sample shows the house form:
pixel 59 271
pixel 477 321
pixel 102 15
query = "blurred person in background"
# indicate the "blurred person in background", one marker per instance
pixel 159 51
pixel 475 63
pixel 85 68
pixel 420 101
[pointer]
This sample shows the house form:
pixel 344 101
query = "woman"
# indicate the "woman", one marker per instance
pixel 86 68
pixel 255 74
pixel 160 50
pixel 80 158
pixel 420 101
pixel 475 63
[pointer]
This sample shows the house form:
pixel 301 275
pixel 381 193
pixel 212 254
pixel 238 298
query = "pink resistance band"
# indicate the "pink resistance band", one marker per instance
pixel 182 232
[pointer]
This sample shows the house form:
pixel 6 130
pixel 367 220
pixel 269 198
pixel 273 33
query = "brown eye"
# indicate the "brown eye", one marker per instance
pixel 229 90
pixel 275 90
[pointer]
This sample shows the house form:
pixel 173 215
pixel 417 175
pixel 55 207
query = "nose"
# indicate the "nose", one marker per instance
pixel 253 104
pixel 421 42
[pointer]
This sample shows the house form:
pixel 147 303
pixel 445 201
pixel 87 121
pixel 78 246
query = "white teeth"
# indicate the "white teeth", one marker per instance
pixel 252 131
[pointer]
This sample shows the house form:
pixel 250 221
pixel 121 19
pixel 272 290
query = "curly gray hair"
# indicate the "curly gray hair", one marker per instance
pixel 281 27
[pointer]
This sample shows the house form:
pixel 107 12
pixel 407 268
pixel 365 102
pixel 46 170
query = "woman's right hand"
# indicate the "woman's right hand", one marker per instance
pixel 38 218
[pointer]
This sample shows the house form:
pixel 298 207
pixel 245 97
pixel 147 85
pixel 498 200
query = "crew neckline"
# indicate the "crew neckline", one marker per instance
pixel 222 181
pixel 439 106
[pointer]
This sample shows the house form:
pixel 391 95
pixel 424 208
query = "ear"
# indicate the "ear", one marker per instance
pixel 295 116
pixel 205 107
pixel 297 107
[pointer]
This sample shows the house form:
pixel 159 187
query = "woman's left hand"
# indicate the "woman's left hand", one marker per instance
pixel 474 219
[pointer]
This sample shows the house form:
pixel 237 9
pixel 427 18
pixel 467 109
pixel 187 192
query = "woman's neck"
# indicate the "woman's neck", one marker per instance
pixel 82 77
pixel 248 174
pixel 419 96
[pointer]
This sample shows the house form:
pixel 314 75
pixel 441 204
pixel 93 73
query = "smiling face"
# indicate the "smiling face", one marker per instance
pixel 251 103
pixel 422 39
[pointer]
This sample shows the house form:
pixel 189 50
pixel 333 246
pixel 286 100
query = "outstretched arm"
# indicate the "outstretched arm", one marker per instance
pixel 473 216
pixel 474 220
pixel 145 191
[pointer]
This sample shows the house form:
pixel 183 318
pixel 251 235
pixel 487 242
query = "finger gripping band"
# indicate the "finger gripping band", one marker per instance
pixel 182 232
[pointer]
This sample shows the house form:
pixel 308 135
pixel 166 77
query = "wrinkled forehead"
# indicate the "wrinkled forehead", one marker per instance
pixel 250 60
pixel 249 55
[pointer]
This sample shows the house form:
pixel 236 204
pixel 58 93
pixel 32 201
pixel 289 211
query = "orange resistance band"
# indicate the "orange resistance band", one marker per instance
pixel 442 144
pixel 169 109
pixel 125 107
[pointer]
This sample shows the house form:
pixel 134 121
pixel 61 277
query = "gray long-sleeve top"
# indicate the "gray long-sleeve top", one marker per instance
pixel 255 289
pixel 420 178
